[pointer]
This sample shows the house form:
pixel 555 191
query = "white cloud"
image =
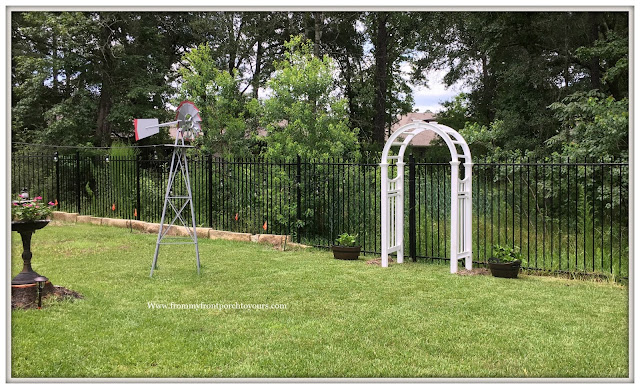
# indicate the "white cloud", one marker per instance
pixel 431 97
pixel 425 97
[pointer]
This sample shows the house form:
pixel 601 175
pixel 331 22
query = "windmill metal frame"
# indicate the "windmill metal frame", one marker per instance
pixel 179 166
pixel 392 193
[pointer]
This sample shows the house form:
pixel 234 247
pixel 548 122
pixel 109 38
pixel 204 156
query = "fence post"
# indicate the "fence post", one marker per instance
pixel 78 181
pixel 412 207
pixel 299 199
pixel 57 160
pixel 210 190
pixel 138 208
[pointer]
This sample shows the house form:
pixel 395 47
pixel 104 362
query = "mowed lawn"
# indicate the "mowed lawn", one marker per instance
pixel 342 318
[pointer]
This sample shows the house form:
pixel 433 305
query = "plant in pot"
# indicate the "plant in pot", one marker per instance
pixel 27 216
pixel 346 247
pixel 506 262
pixel 24 210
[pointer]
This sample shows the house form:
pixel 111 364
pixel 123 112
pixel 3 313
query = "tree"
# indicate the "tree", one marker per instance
pixel 223 108
pixel 593 126
pixel 393 36
pixel 134 60
pixel 51 99
pixel 303 117
pixel 518 64
pixel 456 112
pixel 81 77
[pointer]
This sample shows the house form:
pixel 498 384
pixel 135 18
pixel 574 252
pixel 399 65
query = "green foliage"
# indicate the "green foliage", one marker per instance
pixel 303 117
pixel 122 183
pixel 476 134
pixel 346 240
pixel 225 111
pixel 507 254
pixel 587 223
pixel 612 52
pixel 48 108
pixel 456 112
pixel 81 77
pixel 593 125
pixel 518 64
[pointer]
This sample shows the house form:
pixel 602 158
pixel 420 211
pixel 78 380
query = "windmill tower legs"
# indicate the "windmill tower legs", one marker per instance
pixel 176 202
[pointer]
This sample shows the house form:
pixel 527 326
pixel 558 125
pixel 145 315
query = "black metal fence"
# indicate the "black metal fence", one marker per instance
pixel 565 216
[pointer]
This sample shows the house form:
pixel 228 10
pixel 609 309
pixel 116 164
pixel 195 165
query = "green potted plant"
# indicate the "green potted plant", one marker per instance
pixel 27 216
pixel 506 262
pixel 345 247
pixel 25 210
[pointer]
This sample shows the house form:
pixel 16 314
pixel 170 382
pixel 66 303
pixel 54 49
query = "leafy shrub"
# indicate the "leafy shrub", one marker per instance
pixel 505 254
pixel 346 240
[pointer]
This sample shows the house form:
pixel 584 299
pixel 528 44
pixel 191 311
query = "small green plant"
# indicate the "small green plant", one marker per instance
pixel 506 254
pixel 346 240
pixel 24 209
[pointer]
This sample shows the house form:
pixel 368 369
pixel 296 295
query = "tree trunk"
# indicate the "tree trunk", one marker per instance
pixel 317 24
pixel 349 92
pixel 255 82
pixel 54 60
pixel 233 48
pixel 67 76
pixel 566 56
pixel 380 77
pixel 594 63
pixel 103 128
pixel 486 107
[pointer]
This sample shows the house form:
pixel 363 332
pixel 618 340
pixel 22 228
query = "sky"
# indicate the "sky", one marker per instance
pixel 431 98
pixel 425 98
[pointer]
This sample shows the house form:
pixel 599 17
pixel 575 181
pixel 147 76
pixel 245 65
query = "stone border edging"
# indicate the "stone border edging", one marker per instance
pixel 203 232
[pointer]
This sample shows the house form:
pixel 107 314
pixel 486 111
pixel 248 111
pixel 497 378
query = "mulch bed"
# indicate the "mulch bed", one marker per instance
pixel 27 300
pixel 476 271
pixel 377 261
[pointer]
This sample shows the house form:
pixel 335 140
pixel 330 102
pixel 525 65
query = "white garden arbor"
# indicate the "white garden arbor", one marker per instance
pixel 392 192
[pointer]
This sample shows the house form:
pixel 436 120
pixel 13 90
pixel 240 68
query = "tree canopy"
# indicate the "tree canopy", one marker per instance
pixel 537 82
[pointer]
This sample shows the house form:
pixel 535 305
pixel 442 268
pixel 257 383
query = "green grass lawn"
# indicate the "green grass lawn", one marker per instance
pixel 343 318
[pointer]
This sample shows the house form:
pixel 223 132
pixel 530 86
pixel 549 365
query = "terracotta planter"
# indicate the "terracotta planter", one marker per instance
pixel 346 252
pixel 504 269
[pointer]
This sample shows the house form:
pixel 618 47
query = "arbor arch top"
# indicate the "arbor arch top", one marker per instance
pixel 392 192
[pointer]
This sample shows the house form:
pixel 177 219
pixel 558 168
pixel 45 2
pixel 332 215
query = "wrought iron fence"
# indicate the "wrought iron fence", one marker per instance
pixel 565 216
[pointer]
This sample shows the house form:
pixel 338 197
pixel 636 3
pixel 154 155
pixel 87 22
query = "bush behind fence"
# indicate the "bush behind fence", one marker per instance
pixel 565 216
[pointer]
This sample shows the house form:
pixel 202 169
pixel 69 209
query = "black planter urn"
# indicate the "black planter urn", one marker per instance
pixel 504 269
pixel 26 229
pixel 346 252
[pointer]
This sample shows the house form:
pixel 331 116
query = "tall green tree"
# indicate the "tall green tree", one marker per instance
pixel 393 36
pixel 518 64
pixel 226 113
pixel 81 77
pixel 52 94
pixel 303 116
pixel 594 125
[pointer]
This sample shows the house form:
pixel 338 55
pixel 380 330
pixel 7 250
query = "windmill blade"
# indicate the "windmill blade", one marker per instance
pixel 189 115
pixel 144 128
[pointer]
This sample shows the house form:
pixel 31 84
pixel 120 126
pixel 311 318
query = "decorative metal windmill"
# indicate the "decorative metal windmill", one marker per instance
pixel 178 195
